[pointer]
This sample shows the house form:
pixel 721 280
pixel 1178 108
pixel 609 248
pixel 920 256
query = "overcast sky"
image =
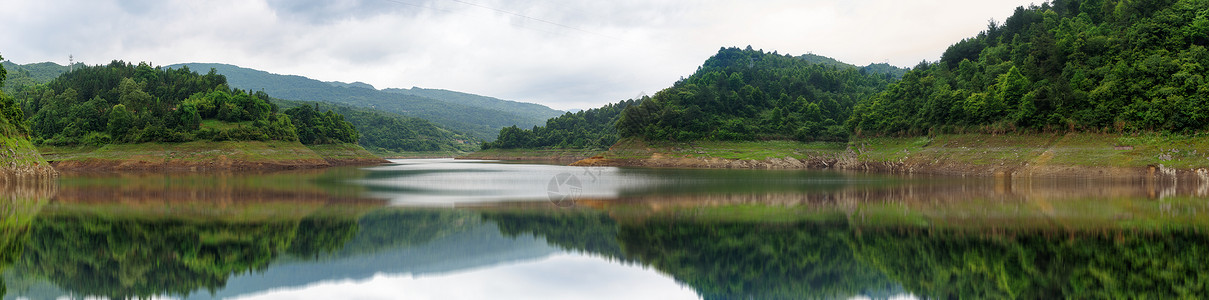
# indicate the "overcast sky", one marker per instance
pixel 564 54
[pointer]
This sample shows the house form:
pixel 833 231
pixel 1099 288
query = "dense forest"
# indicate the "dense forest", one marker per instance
pixel 744 94
pixel 385 133
pixel 125 103
pixel 12 119
pixel 876 68
pixel 1081 65
pixel 315 127
pixel 589 129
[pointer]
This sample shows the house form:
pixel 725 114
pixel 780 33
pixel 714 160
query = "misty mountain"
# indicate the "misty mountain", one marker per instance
pixel 478 116
pixel 528 110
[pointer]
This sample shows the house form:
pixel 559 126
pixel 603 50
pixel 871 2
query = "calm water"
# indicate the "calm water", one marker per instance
pixel 445 229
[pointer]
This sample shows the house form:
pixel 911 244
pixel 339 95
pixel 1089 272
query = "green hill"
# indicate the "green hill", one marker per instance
pixel 27 75
pixel 123 116
pixel 459 114
pixel 124 103
pixel 1066 65
pixel 753 95
pixel 596 129
pixel 390 134
pixel 383 133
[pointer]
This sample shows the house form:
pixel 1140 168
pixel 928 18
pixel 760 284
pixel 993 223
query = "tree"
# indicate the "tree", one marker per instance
pixel 1066 65
pixel 120 121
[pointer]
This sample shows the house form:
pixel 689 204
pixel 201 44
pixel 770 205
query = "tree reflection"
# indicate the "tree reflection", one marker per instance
pixel 572 230
pixel 1038 264
pixel 130 257
pixel 20 203
pixel 733 260
pixel 720 260
pixel 833 258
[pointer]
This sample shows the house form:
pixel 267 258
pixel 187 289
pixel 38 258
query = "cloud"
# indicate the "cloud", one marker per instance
pixel 565 54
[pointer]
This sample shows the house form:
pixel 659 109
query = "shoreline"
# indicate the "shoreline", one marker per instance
pixel 552 155
pixel 1012 156
pixel 208 156
pixel 21 161
pixel 949 169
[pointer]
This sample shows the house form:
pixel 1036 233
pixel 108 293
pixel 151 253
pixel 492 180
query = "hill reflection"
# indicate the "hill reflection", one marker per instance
pixel 726 235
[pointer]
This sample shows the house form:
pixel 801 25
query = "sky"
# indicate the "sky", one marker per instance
pixel 566 54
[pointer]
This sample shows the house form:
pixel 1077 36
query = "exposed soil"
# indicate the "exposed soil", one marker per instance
pixel 936 167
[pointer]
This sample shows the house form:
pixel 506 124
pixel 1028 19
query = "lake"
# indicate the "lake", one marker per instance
pixel 461 229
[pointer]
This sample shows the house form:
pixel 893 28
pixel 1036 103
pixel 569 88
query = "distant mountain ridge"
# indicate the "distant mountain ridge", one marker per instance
pixel 31 74
pixel 478 116
pixel 524 109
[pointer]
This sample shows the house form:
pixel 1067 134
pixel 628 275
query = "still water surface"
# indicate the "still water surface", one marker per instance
pixel 446 229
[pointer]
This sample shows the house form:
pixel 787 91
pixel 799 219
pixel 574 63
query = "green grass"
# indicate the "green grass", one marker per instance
pixel 196 151
pixel 223 125
pixel 342 152
pixel 971 149
pixel 18 152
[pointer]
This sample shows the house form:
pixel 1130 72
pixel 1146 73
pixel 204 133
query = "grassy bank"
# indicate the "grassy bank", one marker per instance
pixel 1075 154
pixel 345 154
pixel 1073 150
pixel 202 155
pixel 18 157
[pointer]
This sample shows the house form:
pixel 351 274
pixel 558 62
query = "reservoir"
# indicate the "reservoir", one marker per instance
pixel 467 229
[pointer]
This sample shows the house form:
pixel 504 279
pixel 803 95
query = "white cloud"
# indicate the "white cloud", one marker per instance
pixel 569 54
pixel 564 276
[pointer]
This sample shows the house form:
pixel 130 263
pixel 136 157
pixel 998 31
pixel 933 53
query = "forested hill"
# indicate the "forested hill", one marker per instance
pixel 20 76
pixel 479 122
pixel 12 119
pixel 747 95
pixel 1084 65
pixel 124 103
pixel 588 129
pixel 389 134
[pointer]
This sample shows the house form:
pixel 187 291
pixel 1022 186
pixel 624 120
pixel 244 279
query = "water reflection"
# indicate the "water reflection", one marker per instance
pixel 714 234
